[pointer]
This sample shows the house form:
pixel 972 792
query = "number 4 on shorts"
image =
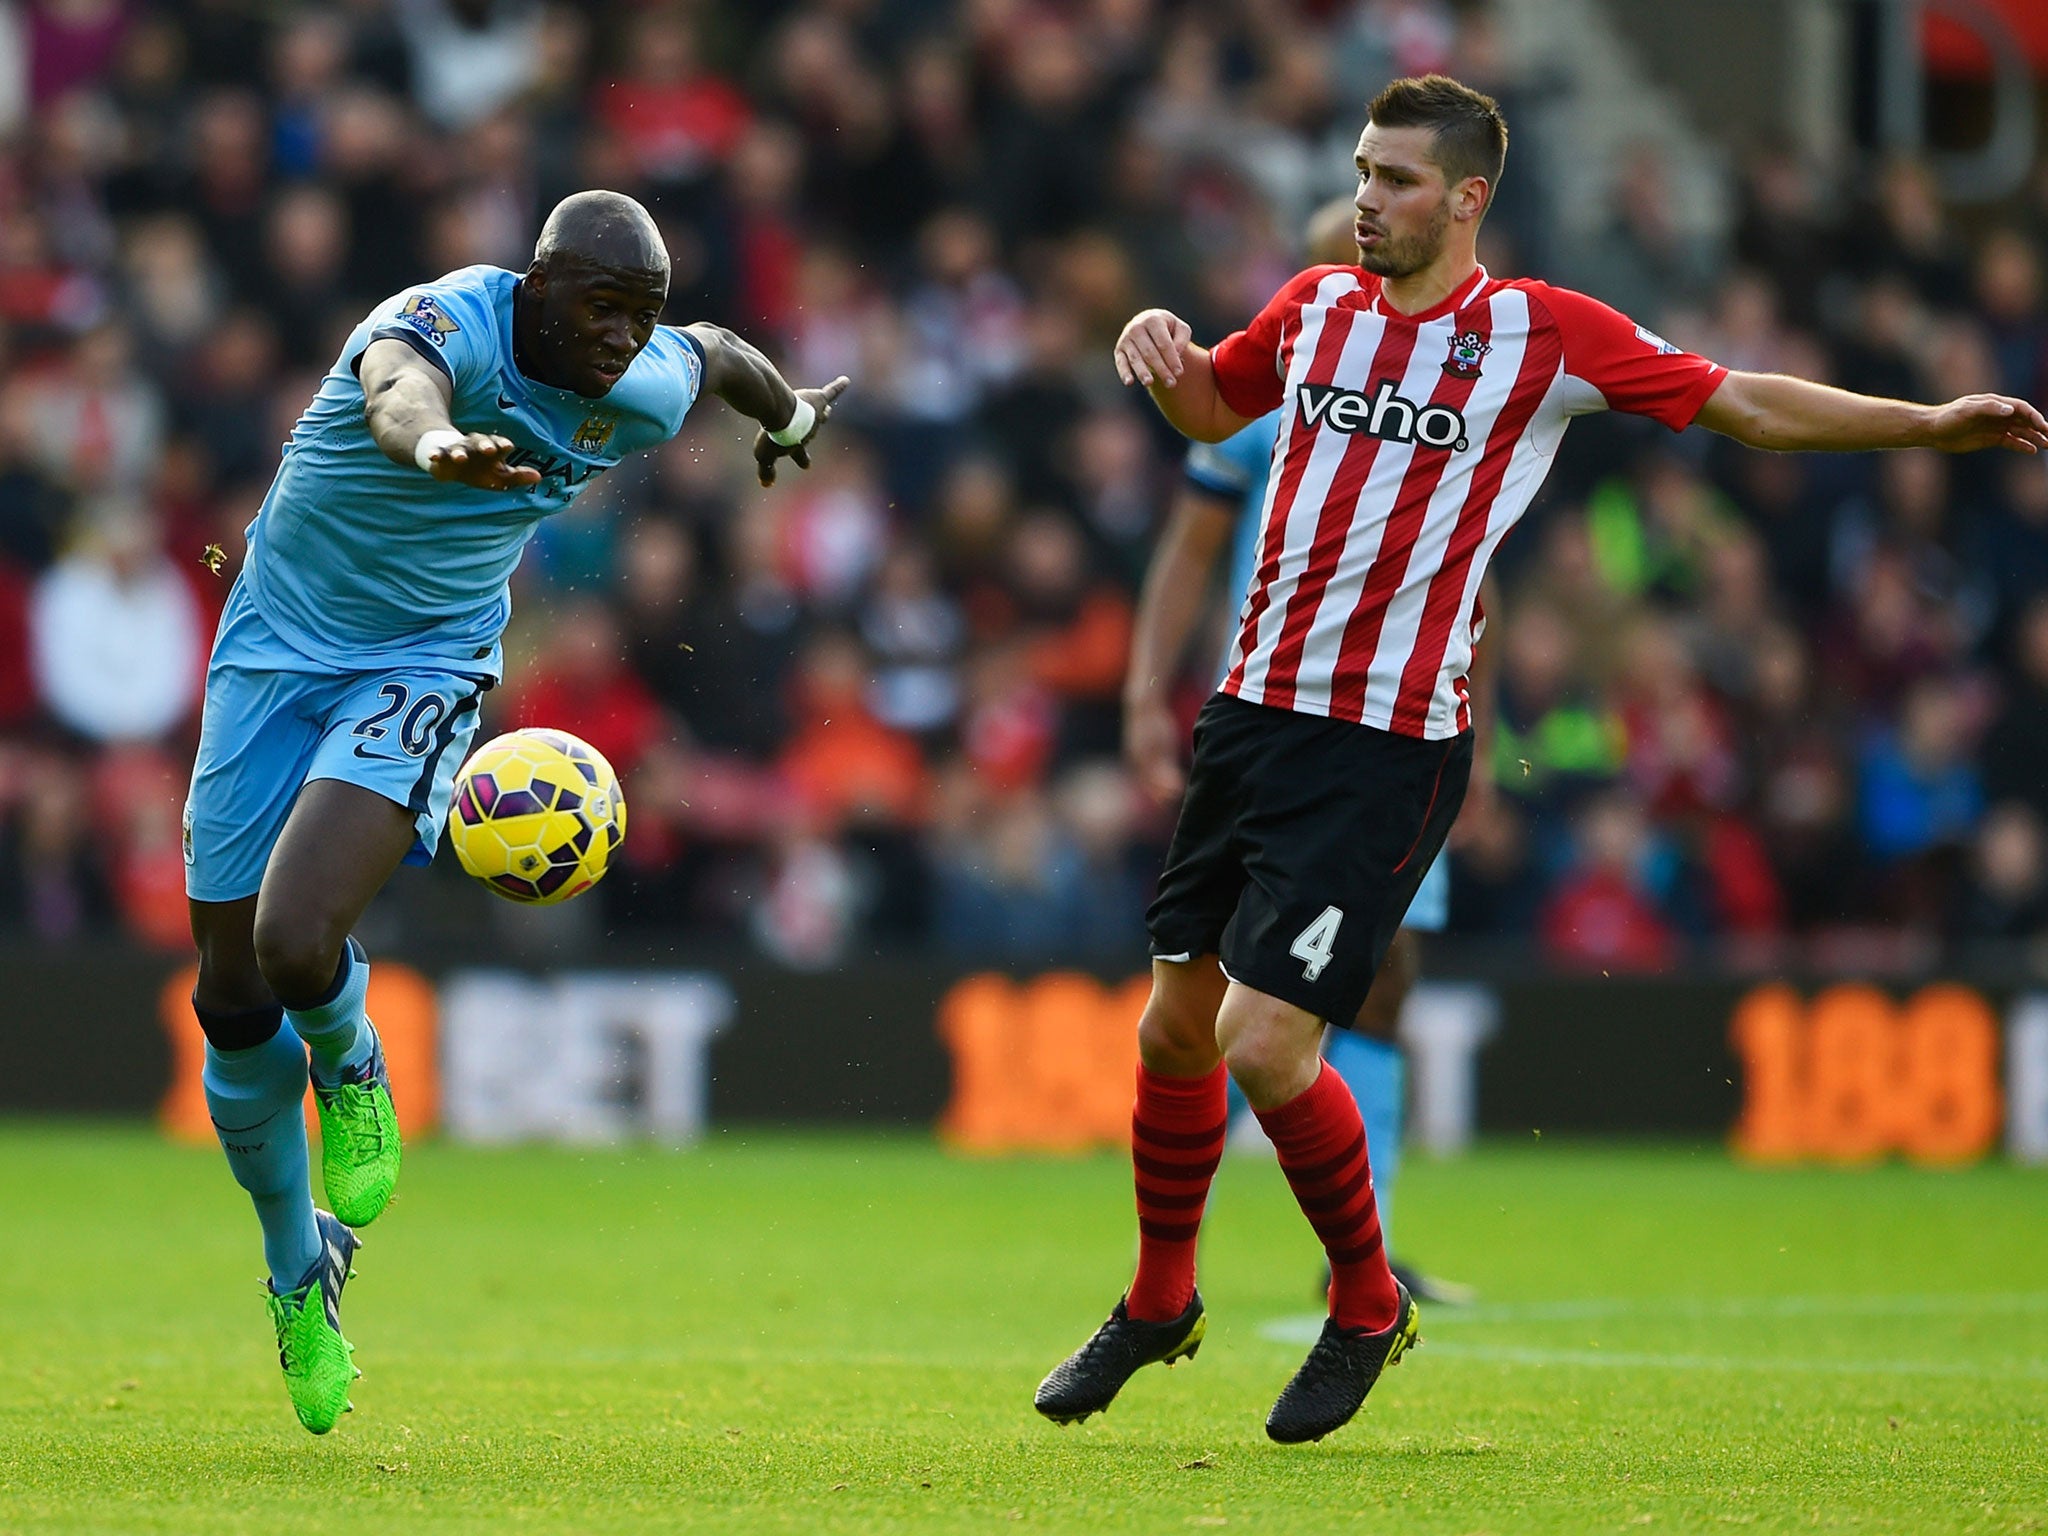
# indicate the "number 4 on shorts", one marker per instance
pixel 1315 943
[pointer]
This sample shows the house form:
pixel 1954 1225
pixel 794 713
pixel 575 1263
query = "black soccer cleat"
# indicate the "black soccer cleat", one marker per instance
pixel 1332 1383
pixel 1088 1380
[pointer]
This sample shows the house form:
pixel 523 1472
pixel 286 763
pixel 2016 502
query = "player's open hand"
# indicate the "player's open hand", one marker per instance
pixel 1152 748
pixel 479 460
pixel 1989 421
pixel 767 451
pixel 1152 348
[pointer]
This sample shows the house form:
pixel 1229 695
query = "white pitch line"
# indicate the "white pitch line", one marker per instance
pixel 726 1354
pixel 1615 1359
pixel 1955 1303
pixel 1304 1329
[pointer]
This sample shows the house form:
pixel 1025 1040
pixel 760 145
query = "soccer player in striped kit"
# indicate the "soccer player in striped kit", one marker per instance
pixel 1221 507
pixel 1424 400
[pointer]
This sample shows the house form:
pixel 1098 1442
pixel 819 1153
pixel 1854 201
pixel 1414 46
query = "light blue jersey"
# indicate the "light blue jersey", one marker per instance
pixel 360 562
pixel 1237 469
pixel 364 629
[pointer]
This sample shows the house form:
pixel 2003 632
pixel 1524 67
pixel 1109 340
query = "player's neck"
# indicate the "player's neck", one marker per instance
pixel 525 332
pixel 1425 290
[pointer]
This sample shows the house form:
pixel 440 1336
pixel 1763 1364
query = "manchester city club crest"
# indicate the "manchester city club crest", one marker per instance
pixel 593 435
pixel 1468 351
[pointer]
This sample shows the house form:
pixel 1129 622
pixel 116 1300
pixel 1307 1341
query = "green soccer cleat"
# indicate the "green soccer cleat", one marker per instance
pixel 359 1145
pixel 315 1357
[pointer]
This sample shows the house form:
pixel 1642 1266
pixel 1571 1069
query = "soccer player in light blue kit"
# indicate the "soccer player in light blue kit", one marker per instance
pixel 1223 500
pixel 343 688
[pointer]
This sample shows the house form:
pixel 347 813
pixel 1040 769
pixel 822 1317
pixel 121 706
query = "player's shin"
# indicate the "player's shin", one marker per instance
pixel 336 1030
pixel 1376 1074
pixel 255 1081
pixel 1177 1134
pixel 1320 1140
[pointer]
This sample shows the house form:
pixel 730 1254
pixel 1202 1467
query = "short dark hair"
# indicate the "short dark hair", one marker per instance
pixel 1471 135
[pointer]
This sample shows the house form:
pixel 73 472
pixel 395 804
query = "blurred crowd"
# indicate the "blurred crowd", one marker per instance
pixel 1750 705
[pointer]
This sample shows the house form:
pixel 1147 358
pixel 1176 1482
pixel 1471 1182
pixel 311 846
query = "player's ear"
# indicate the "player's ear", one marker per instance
pixel 1471 197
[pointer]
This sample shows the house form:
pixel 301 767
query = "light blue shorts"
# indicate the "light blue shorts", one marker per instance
pixel 1430 911
pixel 275 720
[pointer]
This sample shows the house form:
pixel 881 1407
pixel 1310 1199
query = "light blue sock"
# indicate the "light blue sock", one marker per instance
pixel 337 1031
pixel 256 1098
pixel 1236 1105
pixel 1377 1076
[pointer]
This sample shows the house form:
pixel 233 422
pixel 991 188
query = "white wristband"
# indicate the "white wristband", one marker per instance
pixel 431 443
pixel 801 420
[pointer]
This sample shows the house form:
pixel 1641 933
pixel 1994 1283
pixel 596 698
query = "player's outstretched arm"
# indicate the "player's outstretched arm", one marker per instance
pixel 1770 410
pixel 1157 350
pixel 1176 587
pixel 406 403
pixel 736 372
pixel 1483 690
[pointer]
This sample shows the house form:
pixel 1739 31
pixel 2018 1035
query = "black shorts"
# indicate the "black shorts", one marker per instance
pixel 1300 843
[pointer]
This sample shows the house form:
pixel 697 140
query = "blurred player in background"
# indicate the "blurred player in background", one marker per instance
pixel 346 673
pixel 1222 503
pixel 1424 401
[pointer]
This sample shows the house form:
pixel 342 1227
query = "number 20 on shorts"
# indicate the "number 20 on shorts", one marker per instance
pixel 1854 1075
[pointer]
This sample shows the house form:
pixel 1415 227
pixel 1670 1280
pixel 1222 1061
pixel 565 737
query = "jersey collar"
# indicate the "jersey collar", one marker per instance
pixel 1463 294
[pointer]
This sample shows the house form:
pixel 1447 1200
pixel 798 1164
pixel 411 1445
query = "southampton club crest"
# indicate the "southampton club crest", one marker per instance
pixel 593 435
pixel 1468 351
pixel 424 315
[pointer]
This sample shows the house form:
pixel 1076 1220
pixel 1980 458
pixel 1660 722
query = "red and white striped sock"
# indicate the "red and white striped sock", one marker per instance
pixel 1177 1133
pixel 1321 1142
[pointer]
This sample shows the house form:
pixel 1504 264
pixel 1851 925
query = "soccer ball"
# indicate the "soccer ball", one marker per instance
pixel 537 816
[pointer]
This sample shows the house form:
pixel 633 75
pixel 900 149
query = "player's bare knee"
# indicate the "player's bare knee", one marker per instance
pixel 1175 1041
pixel 230 988
pixel 1177 1031
pixel 229 978
pixel 1271 1047
pixel 298 958
pixel 230 981
pixel 1269 1067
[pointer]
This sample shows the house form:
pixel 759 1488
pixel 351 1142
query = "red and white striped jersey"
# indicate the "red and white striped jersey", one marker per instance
pixel 1409 446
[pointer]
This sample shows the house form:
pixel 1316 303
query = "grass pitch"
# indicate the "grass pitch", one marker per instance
pixel 803 1334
